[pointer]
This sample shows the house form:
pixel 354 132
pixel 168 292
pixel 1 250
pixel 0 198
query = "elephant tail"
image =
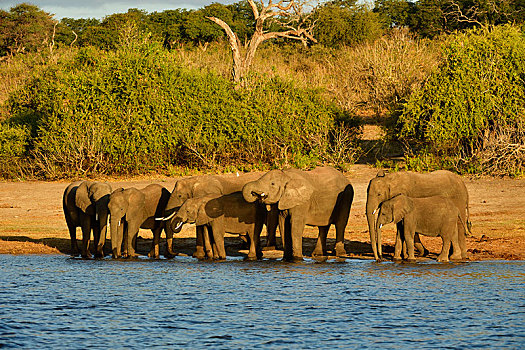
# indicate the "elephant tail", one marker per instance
pixel 466 225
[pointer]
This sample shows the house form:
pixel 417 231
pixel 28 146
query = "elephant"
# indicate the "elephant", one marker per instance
pixel 438 183
pixel 85 205
pixel 131 209
pixel 204 185
pixel 430 216
pixel 318 197
pixel 225 214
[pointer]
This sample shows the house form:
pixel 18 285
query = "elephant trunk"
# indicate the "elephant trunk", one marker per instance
pixel 248 192
pixel 374 236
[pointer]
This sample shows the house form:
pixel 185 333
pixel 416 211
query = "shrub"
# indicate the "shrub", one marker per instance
pixel 136 109
pixel 477 91
pixel 13 146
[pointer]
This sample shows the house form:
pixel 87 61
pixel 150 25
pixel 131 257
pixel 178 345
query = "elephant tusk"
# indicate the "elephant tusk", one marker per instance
pixel 380 225
pixel 179 225
pixel 119 223
pixel 166 218
pixel 374 212
pixel 96 217
pixel 263 194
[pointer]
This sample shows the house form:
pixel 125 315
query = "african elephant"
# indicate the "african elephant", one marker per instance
pixel 85 205
pixel 319 197
pixel 225 214
pixel 131 209
pixel 430 216
pixel 438 183
pixel 204 185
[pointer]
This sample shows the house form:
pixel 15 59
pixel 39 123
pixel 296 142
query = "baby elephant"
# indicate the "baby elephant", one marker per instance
pixel 132 209
pixel 429 216
pixel 220 214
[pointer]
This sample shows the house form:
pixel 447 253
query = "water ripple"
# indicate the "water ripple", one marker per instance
pixel 57 302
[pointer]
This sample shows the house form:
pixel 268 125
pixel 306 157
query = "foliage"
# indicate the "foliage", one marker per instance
pixel 136 109
pixel 477 92
pixel 25 28
pixel 346 24
pixel 431 18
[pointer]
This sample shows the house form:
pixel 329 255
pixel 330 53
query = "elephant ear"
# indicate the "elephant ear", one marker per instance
pixel 296 192
pixel 208 210
pixel 82 200
pixel 98 190
pixel 403 205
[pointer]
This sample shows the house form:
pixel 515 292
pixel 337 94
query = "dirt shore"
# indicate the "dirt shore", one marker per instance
pixel 32 220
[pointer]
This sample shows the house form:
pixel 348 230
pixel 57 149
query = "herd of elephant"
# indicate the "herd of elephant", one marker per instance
pixel 432 204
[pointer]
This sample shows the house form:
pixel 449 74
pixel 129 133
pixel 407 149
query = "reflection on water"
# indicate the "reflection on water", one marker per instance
pixel 57 302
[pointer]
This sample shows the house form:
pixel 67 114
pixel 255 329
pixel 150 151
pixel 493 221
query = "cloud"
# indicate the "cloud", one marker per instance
pixel 101 8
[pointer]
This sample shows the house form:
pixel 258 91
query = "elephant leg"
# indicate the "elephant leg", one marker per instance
pixel 169 242
pixel 419 246
pixel 102 236
pixel 297 227
pixel 131 239
pixel 399 242
pixel 86 235
pixel 286 236
pixel 409 233
pixel 73 237
pixel 154 251
pixel 320 246
pixel 272 221
pixel 255 238
pixel 207 243
pixel 443 256
pixel 252 252
pixel 199 243
pixel 218 237
pixel 342 221
pixel 96 239
pixel 462 237
pixel 455 243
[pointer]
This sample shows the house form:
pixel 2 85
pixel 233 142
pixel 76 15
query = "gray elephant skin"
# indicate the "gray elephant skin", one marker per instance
pixel 429 216
pixel 85 205
pixel 320 197
pixel 131 209
pixel 225 214
pixel 206 185
pixel 438 183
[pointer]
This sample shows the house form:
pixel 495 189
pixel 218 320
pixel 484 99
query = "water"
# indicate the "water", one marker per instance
pixel 62 303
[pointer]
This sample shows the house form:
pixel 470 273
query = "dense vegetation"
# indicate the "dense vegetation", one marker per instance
pixel 139 92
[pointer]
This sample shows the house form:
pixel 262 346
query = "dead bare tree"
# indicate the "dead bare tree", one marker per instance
pixel 292 18
pixel 483 14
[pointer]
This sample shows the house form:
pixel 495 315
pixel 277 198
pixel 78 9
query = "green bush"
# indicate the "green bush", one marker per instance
pixel 13 146
pixel 478 91
pixel 136 109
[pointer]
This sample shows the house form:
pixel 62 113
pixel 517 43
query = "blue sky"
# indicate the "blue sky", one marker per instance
pixel 100 8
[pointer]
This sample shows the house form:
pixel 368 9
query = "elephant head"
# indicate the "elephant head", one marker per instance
pixel 199 211
pixel 124 205
pixel 92 198
pixel 193 187
pixel 379 190
pixel 394 210
pixel 278 186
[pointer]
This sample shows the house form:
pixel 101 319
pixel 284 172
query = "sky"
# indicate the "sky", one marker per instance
pixel 101 8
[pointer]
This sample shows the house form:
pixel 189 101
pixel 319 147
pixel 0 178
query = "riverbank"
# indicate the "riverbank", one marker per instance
pixel 32 220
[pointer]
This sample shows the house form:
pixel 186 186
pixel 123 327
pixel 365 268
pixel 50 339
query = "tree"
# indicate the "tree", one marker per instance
pixel 291 17
pixel 24 28
pixel 344 23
